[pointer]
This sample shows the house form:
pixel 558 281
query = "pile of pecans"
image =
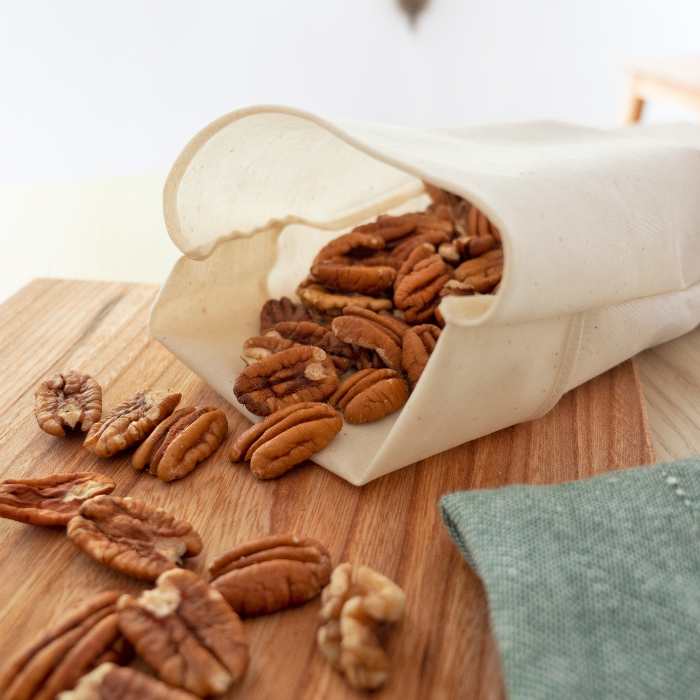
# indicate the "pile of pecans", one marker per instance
pixel 369 306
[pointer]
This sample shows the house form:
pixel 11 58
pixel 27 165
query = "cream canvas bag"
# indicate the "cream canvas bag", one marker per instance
pixel 601 237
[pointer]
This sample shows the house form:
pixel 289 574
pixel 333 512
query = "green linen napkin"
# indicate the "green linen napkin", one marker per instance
pixel 593 586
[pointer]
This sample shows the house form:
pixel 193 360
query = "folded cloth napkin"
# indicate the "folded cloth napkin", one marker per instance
pixel 593 586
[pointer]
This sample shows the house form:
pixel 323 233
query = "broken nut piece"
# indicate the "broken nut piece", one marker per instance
pixel 133 537
pixel 180 442
pixel 418 345
pixel 264 575
pixel 286 438
pixel 370 394
pixel 50 500
pixel 66 400
pixel 129 422
pixel 187 632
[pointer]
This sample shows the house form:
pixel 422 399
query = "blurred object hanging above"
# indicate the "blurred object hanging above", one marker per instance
pixel 670 79
pixel 413 8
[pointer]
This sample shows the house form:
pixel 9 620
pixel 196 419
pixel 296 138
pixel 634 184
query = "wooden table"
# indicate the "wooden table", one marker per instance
pixel 443 646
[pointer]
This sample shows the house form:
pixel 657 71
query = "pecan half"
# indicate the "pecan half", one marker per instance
pixel 418 346
pixel 298 374
pixel 61 654
pixel 181 441
pixel 370 331
pixel 453 288
pixel 356 604
pixel 484 272
pixel 131 536
pixel 268 574
pixel 309 333
pixel 260 347
pixel 187 632
pixel 370 394
pixel 325 305
pixel 478 225
pixel 129 422
pixel 286 438
pixel 111 682
pixel 67 399
pixel 50 500
pixel 273 312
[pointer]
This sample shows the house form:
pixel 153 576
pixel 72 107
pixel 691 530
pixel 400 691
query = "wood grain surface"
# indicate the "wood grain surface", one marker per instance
pixel 442 647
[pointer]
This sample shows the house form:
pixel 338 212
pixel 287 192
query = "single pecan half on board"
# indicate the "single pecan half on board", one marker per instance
pixel 50 500
pixel 129 422
pixel 324 304
pixel 419 282
pixel 370 394
pixel 274 311
pixel 111 682
pixel 187 632
pixel 370 331
pixel 260 347
pixel 484 272
pixel 301 373
pixel 181 441
pixel 286 438
pixel 357 603
pixel 66 650
pixel 133 537
pixel 264 575
pixel 66 400
pixel 418 346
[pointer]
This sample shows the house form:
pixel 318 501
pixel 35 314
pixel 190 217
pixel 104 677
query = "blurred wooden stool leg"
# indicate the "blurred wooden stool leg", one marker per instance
pixel 633 106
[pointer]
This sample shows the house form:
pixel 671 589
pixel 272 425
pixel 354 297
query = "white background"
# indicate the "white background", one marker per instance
pixel 92 89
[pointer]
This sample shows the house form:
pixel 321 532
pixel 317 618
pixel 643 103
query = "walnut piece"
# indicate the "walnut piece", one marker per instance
pixel 187 632
pixel 484 272
pixel 67 399
pixel 273 312
pixel 370 394
pixel 111 682
pixel 268 574
pixel 418 346
pixel 181 441
pixel 286 438
pixel 50 500
pixel 129 422
pixel 356 604
pixel 324 305
pixel 133 537
pixel 66 650
pixel 370 331
pixel 295 375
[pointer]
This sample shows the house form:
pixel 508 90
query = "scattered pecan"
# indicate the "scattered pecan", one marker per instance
pixel 187 632
pixel 50 500
pixel 129 422
pixel 286 438
pixel 370 394
pixel 131 536
pixel 484 272
pixel 260 347
pixel 418 345
pixel 343 355
pixel 325 305
pixel 111 682
pixel 283 310
pixel 268 574
pixel 61 654
pixel 181 441
pixel 370 331
pixel 419 282
pixel 301 373
pixel 66 400
pixel 356 604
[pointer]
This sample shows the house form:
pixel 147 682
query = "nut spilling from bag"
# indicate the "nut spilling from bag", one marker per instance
pixel 357 603
pixel 84 638
pixel 187 632
pixel 133 537
pixel 67 400
pixel 50 500
pixel 264 575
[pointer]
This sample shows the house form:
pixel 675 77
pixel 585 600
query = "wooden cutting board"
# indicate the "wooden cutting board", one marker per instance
pixel 442 648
